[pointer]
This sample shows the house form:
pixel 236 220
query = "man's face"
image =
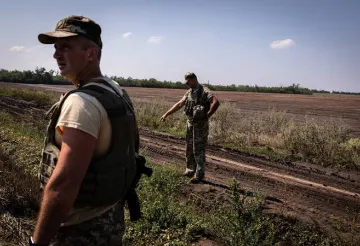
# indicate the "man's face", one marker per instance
pixel 71 56
pixel 192 83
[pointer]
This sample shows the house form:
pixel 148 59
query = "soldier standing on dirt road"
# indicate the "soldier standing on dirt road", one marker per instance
pixel 200 104
pixel 88 159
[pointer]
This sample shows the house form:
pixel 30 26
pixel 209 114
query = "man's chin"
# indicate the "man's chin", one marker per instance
pixel 65 73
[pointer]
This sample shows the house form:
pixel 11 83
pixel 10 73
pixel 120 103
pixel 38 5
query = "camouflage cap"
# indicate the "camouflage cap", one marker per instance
pixel 73 26
pixel 189 76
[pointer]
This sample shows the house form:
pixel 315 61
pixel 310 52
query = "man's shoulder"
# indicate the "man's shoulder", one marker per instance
pixel 95 89
pixel 107 83
pixel 206 89
pixel 188 91
pixel 80 99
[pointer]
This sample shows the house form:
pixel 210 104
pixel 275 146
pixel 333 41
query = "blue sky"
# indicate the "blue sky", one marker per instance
pixel 315 43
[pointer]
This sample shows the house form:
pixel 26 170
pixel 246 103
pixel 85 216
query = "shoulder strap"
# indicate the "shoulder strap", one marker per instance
pixel 128 103
pixel 103 81
pixel 105 97
pixel 199 94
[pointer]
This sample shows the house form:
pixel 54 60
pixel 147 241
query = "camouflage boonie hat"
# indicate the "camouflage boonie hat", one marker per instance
pixel 73 26
pixel 189 76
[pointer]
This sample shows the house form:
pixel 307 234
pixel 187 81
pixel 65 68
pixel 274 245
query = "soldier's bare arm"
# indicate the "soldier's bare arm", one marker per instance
pixel 59 195
pixel 214 104
pixel 173 109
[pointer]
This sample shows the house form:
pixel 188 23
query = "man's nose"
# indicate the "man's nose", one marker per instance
pixel 57 54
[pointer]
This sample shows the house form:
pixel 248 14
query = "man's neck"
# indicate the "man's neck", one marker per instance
pixel 196 87
pixel 84 77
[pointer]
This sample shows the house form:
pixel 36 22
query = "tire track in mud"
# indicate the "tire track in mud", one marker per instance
pixel 308 192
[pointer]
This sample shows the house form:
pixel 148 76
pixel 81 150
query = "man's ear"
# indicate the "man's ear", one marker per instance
pixel 92 54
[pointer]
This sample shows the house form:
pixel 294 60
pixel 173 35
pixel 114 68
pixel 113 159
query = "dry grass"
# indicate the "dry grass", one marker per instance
pixel 19 201
pixel 320 144
pixel 149 113
pixel 39 97
pixel 324 144
pixel 20 147
pixel 272 133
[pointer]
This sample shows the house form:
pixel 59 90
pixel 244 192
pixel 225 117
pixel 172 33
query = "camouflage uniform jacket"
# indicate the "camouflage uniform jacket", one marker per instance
pixel 197 103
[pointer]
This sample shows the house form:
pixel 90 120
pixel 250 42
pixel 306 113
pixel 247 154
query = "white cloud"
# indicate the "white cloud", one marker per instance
pixel 27 50
pixel 36 48
pixel 127 34
pixel 155 40
pixel 17 49
pixel 282 44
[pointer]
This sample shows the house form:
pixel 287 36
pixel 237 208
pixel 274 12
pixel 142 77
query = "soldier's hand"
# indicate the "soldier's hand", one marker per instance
pixel 163 118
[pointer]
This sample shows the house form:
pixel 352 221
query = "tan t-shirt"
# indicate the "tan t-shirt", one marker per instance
pixel 84 112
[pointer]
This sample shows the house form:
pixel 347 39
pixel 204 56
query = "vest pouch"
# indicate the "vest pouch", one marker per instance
pixel 48 162
pixel 199 113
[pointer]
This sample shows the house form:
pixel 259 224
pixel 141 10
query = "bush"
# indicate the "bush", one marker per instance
pixel 222 124
pixel 149 112
pixel 319 143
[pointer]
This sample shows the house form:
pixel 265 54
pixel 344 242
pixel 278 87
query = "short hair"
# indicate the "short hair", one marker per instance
pixel 90 43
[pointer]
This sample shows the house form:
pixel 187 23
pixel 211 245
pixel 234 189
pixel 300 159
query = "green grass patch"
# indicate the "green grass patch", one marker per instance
pixel 22 127
pixel 21 141
pixel 170 221
pixel 165 220
pixel 41 98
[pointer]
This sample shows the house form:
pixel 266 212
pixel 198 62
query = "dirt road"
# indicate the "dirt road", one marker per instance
pixel 305 191
pixel 308 192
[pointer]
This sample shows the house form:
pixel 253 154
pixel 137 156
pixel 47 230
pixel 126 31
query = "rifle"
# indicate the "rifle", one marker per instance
pixel 132 198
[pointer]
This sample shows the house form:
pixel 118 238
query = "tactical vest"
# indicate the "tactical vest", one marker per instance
pixel 200 99
pixel 108 177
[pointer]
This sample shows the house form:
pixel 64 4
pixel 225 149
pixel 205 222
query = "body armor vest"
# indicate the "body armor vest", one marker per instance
pixel 192 103
pixel 109 177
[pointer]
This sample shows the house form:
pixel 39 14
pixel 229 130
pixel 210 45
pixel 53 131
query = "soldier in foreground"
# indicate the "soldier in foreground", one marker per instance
pixel 200 104
pixel 88 160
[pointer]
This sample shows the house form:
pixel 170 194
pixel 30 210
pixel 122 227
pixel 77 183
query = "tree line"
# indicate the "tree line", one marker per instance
pixel 39 76
pixel 42 76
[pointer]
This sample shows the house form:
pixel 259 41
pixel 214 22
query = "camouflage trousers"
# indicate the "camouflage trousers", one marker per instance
pixel 196 141
pixel 107 229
